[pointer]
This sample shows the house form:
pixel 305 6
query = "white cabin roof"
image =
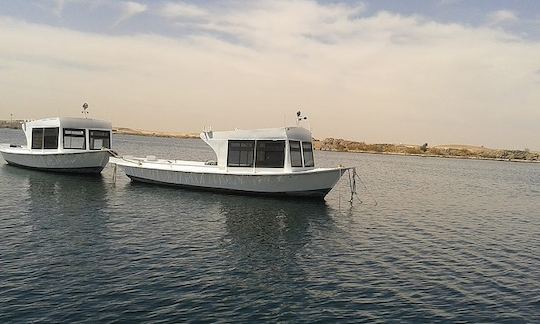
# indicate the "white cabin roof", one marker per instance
pixel 282 133
pixel 69 122
pixel 218 141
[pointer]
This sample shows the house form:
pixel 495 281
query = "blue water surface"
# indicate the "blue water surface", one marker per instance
pixel 449 240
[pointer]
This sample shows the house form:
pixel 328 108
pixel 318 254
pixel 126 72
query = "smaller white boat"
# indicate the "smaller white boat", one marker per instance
pixel 62 144
pixel 276 162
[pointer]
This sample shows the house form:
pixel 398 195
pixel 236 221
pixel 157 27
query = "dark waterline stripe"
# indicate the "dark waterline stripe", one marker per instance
pixel 89 170
pixel 309 194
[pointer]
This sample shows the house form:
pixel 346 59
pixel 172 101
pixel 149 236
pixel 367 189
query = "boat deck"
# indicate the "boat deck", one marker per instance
pixel 203 167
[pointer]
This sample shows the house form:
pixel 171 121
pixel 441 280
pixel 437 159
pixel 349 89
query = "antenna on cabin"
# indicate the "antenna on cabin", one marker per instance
pixel 85 110
pixel 299 117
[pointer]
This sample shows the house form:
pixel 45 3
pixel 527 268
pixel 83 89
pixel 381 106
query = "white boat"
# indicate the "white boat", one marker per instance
pixel 276 161
pixel 64 144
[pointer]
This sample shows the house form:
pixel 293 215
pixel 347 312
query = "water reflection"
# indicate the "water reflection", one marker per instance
pixel 65 212
pixel 269 240
pixel 253 231
pixel 266 220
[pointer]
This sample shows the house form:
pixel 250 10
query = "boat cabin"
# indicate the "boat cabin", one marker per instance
pixel 289 149
pixel 68 134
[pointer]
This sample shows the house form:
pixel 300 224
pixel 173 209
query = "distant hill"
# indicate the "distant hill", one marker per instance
pixel 15 124
pixel 131 131
pixel 450 151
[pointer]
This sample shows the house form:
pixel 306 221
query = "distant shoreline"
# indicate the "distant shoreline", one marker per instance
pixel 468 152
pixel 12 124
pixel 435 156
pixel 139 132
pixel 340 145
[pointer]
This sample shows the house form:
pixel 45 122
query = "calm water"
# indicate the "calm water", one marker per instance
pixel 450 240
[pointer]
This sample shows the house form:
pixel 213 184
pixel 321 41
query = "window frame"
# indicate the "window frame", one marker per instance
pixel 34 145
pixel 248 149
pixel 264 163
pixel 291 153
pixel 83 136
pixel 311 153
pixel 56 135
pixel 92 137
pixel 43 144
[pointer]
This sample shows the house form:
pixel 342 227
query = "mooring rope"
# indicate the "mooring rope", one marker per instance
pixel 115 168
pixel 111 152
pixel 116 155
pixel 352 186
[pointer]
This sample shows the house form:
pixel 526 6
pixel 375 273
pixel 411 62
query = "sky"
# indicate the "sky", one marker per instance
pixel 435 71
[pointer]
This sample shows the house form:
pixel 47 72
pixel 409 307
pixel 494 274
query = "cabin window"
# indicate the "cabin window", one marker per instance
pixel 240 153
pixel 45 138
pixel 270 154
pixel 74 139
pixel 308 154
pixel 296 154
pixel 50 138
pixel 100 139
pixel 37 138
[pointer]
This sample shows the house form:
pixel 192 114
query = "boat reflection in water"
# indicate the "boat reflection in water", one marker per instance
pixel 259 226
pixel 73 206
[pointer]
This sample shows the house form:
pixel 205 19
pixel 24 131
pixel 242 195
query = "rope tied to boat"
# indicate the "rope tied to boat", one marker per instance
pixel 353 176
pixel 115 167
pixel 111 152
pixel 118 156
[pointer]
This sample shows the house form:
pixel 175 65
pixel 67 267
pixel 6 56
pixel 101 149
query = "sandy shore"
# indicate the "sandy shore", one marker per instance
pixel 140 132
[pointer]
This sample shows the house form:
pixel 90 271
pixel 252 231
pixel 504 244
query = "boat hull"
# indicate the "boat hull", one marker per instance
pixel 315 184
pixel 84 162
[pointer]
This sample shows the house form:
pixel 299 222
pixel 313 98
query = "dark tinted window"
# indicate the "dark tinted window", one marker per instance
pixel 296 154
pixel 44 138
pixel 240 153
pixel 74 139
pixel 308 154
pixel 270 154
pixel 100 139
pixel 50 138
pixel 37 138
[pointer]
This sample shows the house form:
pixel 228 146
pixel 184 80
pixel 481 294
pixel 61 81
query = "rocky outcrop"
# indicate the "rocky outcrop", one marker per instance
pixel 341 145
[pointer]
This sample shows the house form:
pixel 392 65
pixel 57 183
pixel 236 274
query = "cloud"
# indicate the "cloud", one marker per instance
pixel 501 17
pixel 56 7
pixel 181 10
pixel 380 78
pixel 130 9
pixel 264 22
